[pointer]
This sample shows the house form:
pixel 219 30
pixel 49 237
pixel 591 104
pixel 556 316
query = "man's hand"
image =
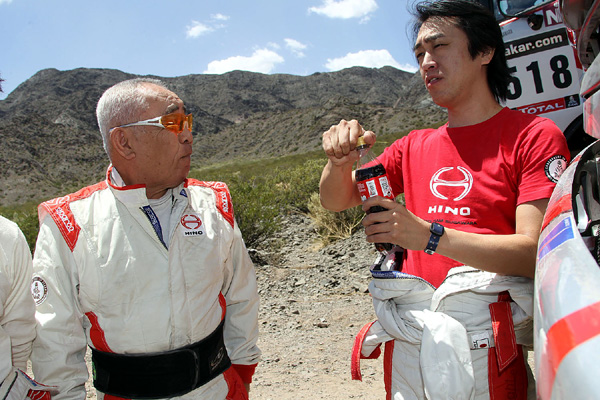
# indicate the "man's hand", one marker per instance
pixel 511 254
pixel 339 141
pixel 396 225
pixel 337 187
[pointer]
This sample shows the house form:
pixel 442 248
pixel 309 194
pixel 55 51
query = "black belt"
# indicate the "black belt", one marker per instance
pixel 158 375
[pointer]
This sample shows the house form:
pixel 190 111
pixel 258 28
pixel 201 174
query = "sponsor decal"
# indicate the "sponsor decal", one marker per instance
pixel 535 44
pixel 191 224
pixel 39 290
pixel 480 340
pixel 65 219
pixel 562 232
pixel 551 105
pixel 554 167
pixel 224 202
pixel 60 211
pixel 465 184
pixel 552 14
pixel 214 363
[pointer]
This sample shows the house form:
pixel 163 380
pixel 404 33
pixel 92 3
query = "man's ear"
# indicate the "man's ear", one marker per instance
pixel 487 55
pixel 120 141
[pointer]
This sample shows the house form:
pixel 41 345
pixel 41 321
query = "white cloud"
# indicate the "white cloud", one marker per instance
pixel 5 1
pixel 219 17
pixel 262 60
pixel 196 29
pixel 296 47
pixel 366 58
pixel 345 9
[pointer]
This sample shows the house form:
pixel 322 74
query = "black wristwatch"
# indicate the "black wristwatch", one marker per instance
pixel 437 231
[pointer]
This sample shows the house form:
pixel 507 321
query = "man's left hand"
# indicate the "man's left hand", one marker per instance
pixel 396 225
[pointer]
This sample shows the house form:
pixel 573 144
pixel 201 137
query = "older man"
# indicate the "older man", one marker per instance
pixel 148 268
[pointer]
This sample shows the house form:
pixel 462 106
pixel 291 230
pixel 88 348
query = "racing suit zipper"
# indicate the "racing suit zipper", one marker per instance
pixel 459 273
pixel 399 275
pixel 147 210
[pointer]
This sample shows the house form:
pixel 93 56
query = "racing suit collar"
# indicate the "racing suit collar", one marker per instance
pixel 135 195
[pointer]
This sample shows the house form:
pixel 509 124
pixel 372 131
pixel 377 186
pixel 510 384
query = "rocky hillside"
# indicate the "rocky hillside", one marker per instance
pixel 50 141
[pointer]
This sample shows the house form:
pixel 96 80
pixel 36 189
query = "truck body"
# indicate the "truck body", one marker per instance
pixel 546 71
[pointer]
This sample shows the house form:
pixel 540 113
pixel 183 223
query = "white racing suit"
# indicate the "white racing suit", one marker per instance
pixel 17 321
pixel 104 278
pixel 462 341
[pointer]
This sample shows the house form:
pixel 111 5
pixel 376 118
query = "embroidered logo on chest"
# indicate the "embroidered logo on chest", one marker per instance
pixel 192 225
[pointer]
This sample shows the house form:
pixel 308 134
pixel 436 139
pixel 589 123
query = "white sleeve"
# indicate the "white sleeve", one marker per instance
pixel 241 294
pixel 374 338
pixel 17 322
pixel 58 356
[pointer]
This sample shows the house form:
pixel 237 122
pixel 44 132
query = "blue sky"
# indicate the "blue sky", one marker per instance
pixel 179 37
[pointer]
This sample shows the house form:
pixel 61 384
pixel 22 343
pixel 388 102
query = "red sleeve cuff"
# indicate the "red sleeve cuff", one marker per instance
pixel 374 355
pixel 245 371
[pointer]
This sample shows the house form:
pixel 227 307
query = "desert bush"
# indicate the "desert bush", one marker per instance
pixel 332 226
pixel 264 190
pixel 25 216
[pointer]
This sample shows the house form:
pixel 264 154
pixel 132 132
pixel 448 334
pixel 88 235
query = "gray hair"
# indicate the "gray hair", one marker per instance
pixel 123 103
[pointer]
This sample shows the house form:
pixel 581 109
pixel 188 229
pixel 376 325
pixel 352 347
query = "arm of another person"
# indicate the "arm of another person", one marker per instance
pixel 513 254
pixel 18 308
pixel 59 348
pixel 337 188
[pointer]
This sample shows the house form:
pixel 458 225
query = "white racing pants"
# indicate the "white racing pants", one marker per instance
pixel 462 341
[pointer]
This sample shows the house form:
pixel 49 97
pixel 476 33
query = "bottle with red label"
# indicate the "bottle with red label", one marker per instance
pixel 371 180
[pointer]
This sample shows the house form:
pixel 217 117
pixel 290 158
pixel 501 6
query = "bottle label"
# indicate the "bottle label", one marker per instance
pixel 375 186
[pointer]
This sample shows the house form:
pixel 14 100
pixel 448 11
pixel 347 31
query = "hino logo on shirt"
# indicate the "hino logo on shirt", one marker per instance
pixel 191 224
pixel 437 182
pixel 455 188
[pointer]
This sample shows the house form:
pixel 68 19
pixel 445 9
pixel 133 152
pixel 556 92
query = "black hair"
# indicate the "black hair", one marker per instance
pixel 483 33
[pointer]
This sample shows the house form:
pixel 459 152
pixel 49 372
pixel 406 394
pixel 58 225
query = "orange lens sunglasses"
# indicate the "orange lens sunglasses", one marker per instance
pixel 171 122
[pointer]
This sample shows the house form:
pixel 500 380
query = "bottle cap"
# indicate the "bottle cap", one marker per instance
pixel 360 142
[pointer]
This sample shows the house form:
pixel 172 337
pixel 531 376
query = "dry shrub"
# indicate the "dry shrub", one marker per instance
pixel 332 226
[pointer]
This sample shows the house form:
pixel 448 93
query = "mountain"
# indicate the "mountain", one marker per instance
pixel 51 145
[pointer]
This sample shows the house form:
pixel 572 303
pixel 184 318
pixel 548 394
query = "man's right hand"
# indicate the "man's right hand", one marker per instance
pixel 339 142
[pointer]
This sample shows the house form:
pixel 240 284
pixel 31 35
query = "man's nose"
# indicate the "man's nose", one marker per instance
pixel 185 136
pixel 428 61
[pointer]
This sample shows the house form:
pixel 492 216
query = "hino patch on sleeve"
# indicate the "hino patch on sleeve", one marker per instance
pixel 554 167
pixel 39 290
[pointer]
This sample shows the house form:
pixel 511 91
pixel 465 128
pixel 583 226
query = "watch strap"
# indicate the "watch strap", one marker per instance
pixel 437 231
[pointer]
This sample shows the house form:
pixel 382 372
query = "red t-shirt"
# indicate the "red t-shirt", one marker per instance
pixel 472 178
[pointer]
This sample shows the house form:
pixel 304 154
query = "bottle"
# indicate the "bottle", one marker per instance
pixel 371 180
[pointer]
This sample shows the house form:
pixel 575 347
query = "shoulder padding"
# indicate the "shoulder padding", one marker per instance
pixel 222 196
pixel 60 211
